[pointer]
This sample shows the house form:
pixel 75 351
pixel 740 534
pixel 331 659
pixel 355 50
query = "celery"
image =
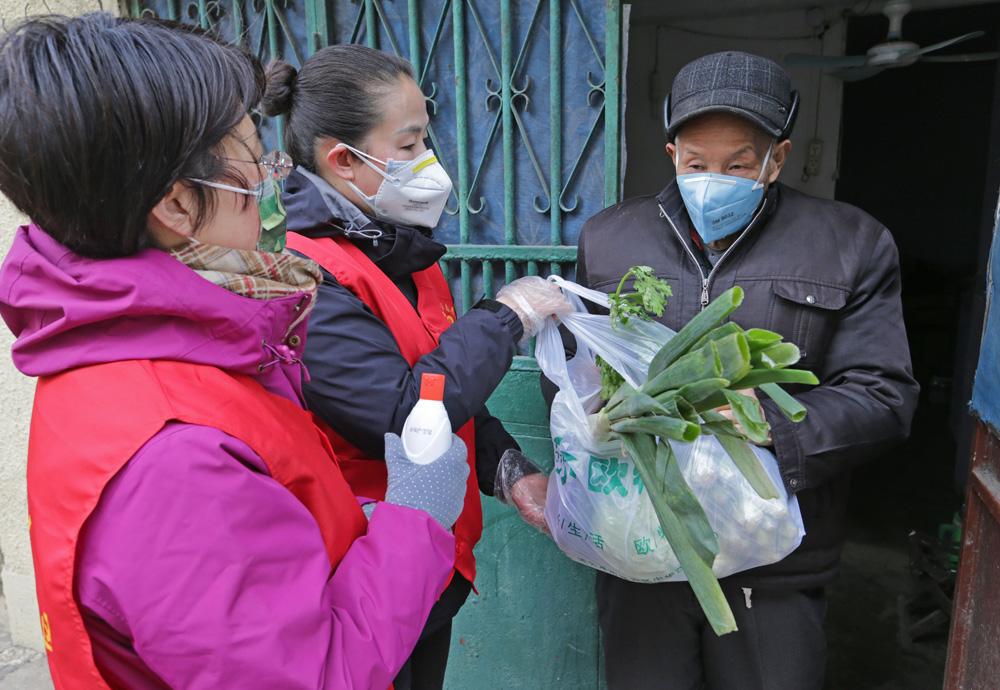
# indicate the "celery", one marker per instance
pixel 664 427
pixel 789 406
pixel 700 369
pixel 742 455
pixel 719 333
pixel 760 377
pixel 776 356
pixel 648 299
pixel 707 319
pixel 694 555
pixel 691 368
pixel 696 392
pixel 749 415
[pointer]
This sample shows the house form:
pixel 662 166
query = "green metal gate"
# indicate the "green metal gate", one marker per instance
pixel 525 103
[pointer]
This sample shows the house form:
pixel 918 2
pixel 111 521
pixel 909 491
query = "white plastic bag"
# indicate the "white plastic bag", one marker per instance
pixel 597 509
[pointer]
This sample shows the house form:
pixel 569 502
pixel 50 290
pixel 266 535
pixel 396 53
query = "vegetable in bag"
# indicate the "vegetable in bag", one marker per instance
pixel 711 363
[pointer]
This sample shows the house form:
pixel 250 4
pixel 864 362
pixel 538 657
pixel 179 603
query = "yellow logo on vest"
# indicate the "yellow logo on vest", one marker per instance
pixel 46 632
pixel 449 312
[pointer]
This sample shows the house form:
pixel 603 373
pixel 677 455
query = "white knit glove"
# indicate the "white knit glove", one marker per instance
pixel 437 488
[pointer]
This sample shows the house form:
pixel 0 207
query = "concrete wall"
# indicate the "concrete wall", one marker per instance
pixel 664 37
pixel 15 405
pixel 15 400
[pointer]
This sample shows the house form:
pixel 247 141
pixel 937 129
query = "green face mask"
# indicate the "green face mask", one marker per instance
pixel 273 218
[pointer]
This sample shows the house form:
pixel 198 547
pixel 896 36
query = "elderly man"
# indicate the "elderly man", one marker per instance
pixel 823 274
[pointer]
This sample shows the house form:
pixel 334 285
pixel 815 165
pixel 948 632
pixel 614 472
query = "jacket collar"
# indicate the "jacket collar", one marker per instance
pixel 68 311
pixel 313 203
pixel 316 209
pixel 673 204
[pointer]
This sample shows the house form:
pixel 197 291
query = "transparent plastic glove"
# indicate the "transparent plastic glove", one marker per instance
pixel 437 488
pixel 533 299
pixel 520 482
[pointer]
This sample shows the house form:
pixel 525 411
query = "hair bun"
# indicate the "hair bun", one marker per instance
pixel 280 89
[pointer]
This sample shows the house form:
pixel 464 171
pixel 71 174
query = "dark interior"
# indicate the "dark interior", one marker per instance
pixel 920 153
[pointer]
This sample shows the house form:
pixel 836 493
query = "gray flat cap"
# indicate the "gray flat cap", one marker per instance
pixel 746 85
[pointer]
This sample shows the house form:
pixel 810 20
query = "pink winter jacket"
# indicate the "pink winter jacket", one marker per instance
pixel 197 569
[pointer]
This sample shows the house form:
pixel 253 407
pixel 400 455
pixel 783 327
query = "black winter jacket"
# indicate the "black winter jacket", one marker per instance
pixel 826 276
pixel 360 384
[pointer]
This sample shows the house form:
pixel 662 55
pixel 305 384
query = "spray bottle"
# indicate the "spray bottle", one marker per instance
pixel 427 430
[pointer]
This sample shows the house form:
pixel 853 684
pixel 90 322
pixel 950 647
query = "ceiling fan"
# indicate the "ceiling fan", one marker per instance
pixel 893 52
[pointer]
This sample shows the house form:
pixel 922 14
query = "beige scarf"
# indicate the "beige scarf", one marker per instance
pixel 253 274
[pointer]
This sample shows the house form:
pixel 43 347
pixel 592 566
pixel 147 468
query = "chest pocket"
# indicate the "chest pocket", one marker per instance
pixel 807 313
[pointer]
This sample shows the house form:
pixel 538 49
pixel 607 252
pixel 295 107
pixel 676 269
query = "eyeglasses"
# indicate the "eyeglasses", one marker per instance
pixel 278 166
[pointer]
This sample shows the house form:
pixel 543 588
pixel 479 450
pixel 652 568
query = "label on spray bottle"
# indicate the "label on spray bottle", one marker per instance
pixel 427 430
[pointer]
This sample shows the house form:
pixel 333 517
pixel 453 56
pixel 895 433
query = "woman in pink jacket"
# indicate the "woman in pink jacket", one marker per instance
pixel 190 527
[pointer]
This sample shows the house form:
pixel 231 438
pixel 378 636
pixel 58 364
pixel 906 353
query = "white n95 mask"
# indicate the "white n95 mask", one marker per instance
pixel 412 192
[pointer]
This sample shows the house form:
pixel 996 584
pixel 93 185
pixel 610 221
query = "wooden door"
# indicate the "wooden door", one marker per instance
pixel 974 647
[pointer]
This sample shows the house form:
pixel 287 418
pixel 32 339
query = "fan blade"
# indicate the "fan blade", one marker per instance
pixel 951 41
pixel 965 57
pixel 811 60
pixel 858 73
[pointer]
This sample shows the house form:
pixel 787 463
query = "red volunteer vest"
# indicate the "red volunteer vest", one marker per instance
pixel 86 425
pixel 416 332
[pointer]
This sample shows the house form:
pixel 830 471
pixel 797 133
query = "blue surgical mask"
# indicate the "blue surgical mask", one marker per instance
pixel 720 205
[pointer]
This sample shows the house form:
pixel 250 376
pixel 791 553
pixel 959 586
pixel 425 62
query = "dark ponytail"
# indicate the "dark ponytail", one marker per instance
pixel 337 93
pixel 280 86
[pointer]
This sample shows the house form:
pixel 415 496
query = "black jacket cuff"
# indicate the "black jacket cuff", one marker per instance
pixel 786 446
pixel 507 316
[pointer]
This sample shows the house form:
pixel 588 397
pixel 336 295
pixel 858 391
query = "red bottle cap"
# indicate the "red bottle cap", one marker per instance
pixel 432 387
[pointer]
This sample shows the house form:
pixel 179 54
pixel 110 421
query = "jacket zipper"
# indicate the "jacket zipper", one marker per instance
pixel 706 282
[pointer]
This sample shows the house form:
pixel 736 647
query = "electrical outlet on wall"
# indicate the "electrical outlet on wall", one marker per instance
pixel 814 157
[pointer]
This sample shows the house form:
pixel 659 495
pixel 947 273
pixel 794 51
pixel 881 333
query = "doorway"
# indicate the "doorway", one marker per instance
pixel 915 153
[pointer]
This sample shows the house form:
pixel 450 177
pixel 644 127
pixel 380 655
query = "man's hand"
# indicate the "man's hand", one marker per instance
pixel 520 483
pixel 727 412
pixel 528 496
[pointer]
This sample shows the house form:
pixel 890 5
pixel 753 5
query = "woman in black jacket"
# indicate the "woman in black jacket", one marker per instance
pixel 356 123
